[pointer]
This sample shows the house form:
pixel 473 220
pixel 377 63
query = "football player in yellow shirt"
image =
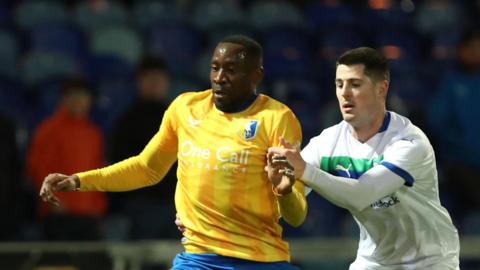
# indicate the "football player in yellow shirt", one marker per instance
pixel 220 137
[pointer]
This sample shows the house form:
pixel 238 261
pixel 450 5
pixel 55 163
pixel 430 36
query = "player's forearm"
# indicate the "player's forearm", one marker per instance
pixel 129 174
pixel 353 194
pixel 293 206
pixel 146 169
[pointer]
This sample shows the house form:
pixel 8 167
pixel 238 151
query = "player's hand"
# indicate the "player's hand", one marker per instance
pixel 179 224
pixel 57 182
pixel 281 175
pixel 292 157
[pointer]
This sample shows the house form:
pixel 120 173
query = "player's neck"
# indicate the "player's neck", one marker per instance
pixel 365 132
pixel 242 105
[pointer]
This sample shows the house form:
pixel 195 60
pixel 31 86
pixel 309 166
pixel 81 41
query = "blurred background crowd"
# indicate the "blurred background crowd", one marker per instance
pixel 85 83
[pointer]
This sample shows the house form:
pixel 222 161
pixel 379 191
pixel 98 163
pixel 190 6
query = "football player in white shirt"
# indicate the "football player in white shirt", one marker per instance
pixel 380 167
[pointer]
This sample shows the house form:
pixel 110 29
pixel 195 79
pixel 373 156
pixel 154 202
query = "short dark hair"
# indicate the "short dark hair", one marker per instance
pixel 376 65
pixel 253 49
pixel 76 84
pixel 149 62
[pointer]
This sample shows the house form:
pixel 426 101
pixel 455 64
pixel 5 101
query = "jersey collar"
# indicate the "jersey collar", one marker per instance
pixel 386 121
pixel 243 106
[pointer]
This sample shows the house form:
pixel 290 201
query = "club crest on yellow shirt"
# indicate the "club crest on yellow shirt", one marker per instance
pixel 249 130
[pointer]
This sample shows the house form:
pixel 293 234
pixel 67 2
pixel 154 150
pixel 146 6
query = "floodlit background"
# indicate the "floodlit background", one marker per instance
pixel 434 51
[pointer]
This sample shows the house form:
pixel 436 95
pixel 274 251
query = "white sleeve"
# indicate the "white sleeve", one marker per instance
pixel 406 158
pixel 310 154
pixel 351 194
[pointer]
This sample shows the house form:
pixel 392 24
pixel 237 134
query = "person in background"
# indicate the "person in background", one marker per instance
pixel 68 141
pixel 10 181
pixel 453 115
pixel 145 208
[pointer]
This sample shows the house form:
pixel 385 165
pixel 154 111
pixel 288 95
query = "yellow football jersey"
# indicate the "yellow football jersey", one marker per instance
pixel 223 195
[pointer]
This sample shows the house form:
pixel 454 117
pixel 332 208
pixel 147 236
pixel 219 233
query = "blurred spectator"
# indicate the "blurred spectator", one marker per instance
pixel 9 181
pixel 150 210
pixel 453 119
pixel 67 141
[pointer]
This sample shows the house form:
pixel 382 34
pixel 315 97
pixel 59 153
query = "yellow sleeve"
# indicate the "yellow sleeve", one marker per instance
pixel 145 169
pixel 292 207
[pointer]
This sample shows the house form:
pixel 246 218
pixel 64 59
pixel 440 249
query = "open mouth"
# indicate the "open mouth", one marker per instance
pixel 219 92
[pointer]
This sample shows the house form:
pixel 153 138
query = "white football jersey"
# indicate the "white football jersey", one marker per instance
pixel 409 229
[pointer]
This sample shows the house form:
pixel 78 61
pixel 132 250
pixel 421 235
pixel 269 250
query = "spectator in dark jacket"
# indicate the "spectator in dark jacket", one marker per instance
pixel 149 210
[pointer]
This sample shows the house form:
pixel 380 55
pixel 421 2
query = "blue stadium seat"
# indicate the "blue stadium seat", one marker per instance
pixel 266 15
pixel 401 48
pixel 386 18
pixel 287 52
pixel 338 40
pixel 120 41
pixel 303 97
pixel 331 44
pixel 9 52
pixel 182 84
pixel 444 50
pixel 179 44
pixel 39 67
pixel 203 65
pixel 114 96
pixel 91 15
pixel 33 13
pixel 300 88
pixel 210 13
pixel 322 15
pixel 408 87
pixel 146 14
pixel 58 38
pixel 217 33
pixel 13 101
pixel 108 67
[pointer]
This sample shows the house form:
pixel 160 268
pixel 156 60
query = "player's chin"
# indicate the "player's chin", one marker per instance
pixel 222 103
pixel 348 117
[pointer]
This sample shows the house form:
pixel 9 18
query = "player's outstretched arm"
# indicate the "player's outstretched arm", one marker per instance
pixel 57 182
pixel 373 185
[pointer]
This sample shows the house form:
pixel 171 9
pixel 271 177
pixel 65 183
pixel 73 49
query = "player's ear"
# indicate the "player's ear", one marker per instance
pixel 383 88
pixel 257 76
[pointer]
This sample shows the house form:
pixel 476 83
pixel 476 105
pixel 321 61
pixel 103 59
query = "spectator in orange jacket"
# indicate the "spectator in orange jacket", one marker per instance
pixel 68 141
